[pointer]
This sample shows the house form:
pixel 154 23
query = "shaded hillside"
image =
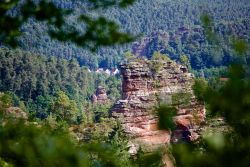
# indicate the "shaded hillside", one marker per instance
pixel 38 80
pixel 193 43
pixel 144 17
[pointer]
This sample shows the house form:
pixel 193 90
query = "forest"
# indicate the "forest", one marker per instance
pixel 231 20
pixel 58 92
pixel 38 81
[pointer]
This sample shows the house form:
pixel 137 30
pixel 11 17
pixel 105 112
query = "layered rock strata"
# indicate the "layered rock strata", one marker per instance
pixel 100 97
pixel 145 84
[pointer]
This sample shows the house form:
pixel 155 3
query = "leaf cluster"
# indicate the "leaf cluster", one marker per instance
pixel 99 31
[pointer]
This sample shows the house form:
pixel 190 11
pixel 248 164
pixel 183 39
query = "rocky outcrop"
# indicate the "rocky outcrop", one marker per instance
pixel 100 97
pixel 10 112
pixel 15 113
pixel 145 84
pixel 156 41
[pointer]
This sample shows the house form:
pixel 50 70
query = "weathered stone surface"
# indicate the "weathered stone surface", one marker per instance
pixel 143 87
pixel 16 113
pixel 144 47
pixel 100 97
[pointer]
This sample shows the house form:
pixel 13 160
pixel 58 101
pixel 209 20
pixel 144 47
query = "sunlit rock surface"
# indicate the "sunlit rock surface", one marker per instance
pixel 145 84
pixel 100 97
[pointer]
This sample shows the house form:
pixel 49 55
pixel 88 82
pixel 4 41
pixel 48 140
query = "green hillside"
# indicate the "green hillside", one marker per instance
pixel 142 18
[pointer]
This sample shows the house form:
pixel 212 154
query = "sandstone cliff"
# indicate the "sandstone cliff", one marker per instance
pixel 145 84
pixel 100 97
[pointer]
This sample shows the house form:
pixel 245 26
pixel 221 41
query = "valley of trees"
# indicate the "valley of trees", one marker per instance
pixel 40 82
pixel 193 43
pixel 47 81
pixel 231 19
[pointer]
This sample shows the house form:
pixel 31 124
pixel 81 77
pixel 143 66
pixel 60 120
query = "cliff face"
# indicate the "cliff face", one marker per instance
pixel 156 41
pixel 100 97
pixel 145 84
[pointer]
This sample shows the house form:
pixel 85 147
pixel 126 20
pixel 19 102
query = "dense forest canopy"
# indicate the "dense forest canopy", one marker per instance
pixel 38 80
pixel 47 113
pixel 143 18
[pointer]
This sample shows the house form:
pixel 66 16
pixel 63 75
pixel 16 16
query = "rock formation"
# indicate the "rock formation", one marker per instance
pixel 100 97
pixel 15 113
pixel 10 112
pixel 156 41
pixel 145 84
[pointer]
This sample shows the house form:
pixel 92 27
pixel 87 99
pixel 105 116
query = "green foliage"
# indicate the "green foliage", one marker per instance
pixel 161 15
pixel 240 46
pixel 108 3
pixel 208 27
pixel 160 57
pixel 151 159
pixel 99 132
pixel 36 80
pixel 40 80
pixel 166 112
pixel 119 140
pixel 9 99
pixel 5 164
pixel 113 85
pixel 214 72
pixel 157 61
pixel 231 102
pixel 100 111
pixel 39 146
pixel 36 147
pixel 157 84
pixel 200 87
pixel 129 57
pixel 63 108
pixel 165 115
pixel 205 45
pixel 181 99
pixel 98 31
pixel 5 101
pixel 185 61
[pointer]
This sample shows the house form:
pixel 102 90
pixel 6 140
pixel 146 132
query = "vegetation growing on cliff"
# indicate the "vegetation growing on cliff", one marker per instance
pixel 230 101
pixel 72 131
pixel 229 148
